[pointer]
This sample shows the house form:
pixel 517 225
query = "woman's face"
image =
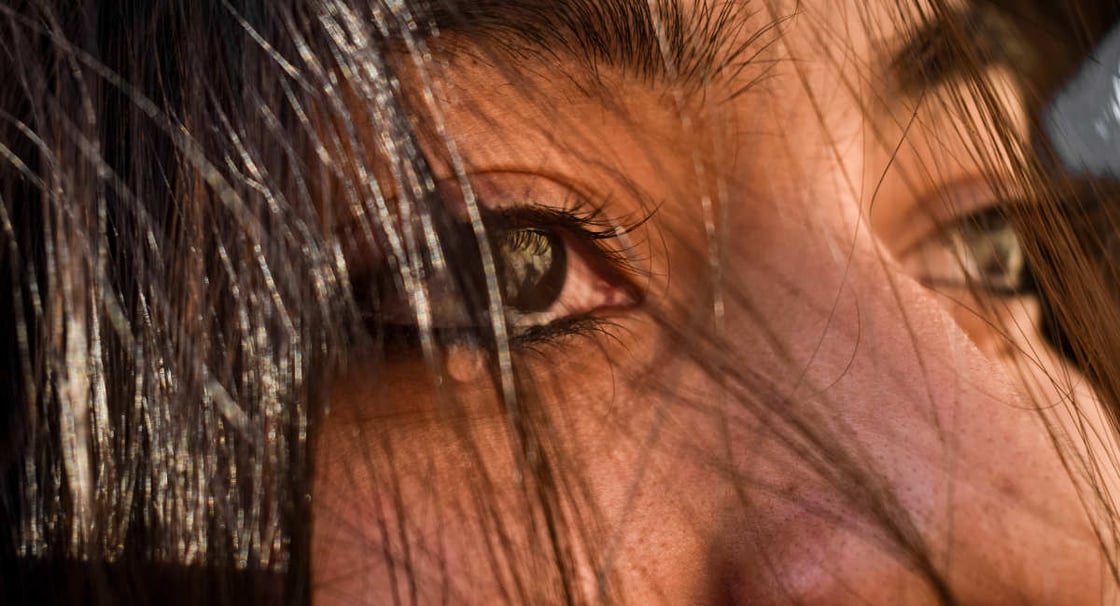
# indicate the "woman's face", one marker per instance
pixel 784 391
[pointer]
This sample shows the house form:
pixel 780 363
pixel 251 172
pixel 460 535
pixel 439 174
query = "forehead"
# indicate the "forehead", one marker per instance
pixel 585 83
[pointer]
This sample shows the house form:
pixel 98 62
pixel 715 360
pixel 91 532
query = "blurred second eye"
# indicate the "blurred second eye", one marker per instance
pixel 981 252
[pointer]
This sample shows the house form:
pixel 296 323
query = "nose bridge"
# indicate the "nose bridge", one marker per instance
pixel 823 487
pixel 919 449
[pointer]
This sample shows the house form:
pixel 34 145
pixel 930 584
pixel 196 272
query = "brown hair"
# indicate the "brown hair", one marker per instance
pixel 173 299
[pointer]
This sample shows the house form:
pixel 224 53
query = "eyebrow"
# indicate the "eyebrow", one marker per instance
pixel 655 41
pixel 660 41
pixel 961 44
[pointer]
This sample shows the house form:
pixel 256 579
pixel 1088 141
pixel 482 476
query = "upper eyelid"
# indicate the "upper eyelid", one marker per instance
pixel 591 233
pixel 945 206
pixel 555 199
pixel 593 222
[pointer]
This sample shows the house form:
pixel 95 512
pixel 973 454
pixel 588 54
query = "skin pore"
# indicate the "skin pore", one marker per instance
pixel 777 409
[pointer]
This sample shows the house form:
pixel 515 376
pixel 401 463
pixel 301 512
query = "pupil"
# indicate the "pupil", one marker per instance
pixel 532 268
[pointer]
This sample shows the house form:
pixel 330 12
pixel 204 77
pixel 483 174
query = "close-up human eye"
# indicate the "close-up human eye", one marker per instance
pixel 557 272
pixel 573 302
pixel 979 252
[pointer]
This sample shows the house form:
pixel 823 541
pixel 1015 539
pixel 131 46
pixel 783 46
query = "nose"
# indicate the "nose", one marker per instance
pixel 900 463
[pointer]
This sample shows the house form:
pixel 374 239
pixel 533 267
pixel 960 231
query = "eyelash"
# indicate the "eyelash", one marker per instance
pixel 551 333
pixel 588 225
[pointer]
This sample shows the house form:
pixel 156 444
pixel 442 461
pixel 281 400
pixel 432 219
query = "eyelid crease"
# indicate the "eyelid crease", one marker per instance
pixel 944 206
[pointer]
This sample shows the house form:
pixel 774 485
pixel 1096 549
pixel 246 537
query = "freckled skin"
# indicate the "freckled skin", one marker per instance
pixel 843 392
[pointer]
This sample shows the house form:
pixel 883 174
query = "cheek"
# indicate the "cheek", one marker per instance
pixel 444 506
pixel 394 491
